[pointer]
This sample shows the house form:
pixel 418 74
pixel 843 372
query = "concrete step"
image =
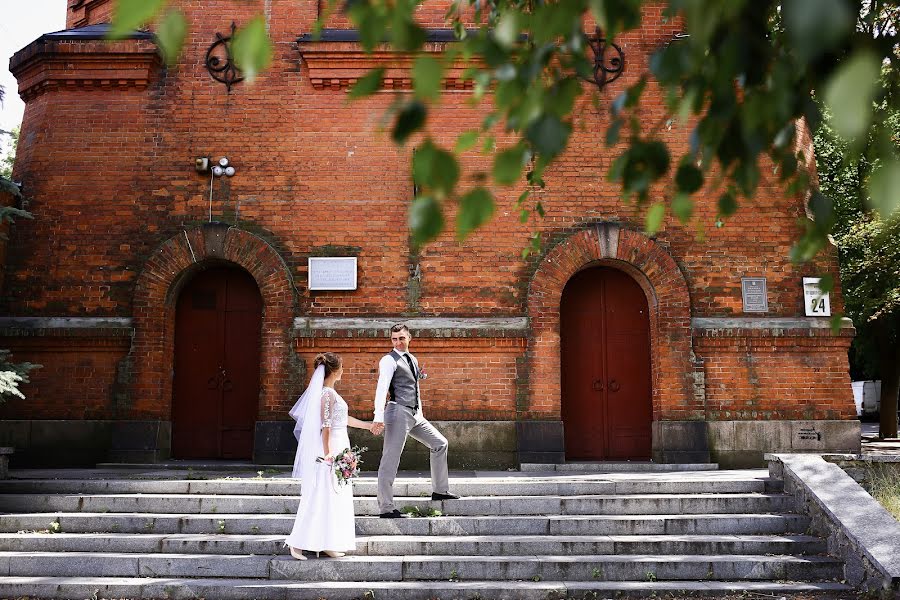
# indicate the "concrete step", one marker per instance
pixel 400 545
pixel 681 524
pixel 367 486
pixel 241 589
pixel 636 567
pixel 616 467
pixel 473 505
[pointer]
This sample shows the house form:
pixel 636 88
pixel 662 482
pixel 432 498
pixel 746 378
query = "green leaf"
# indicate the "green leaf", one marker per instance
pixel 435 169
pixel 549 135
pixel 466 141
pixel 816 26
pixel 425 220
pixel 688 178
pixel 727 204
pixel 655 215
pixel 368 84
pixel 850 91
pixel 683 207
pixel 508 164
pixel 507 31
pixel 129 15
pixel 475 208
pixel 615 16
pixel 612 132
pixel 170 35
pixel 251 47
pixel 884 188
pixel 427 75
pixel 409 120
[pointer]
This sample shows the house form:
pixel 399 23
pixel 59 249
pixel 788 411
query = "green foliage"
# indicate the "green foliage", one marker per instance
pixel 251 47
pixel 170 35
pixel 742 76
pixel 129 15
pixel 415 511
pixel 368 84
pixel 8 142
pixel 869 250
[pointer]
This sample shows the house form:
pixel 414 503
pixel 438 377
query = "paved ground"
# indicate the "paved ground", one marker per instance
pixel 871 444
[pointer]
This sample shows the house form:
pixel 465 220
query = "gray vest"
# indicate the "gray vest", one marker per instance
pixel 404 388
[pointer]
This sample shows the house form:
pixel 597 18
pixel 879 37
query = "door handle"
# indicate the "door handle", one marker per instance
pixel 598 385
pixel 614 385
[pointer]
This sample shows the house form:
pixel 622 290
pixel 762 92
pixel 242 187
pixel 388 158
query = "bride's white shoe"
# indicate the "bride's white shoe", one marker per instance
pixel 298 554
pixel 334 554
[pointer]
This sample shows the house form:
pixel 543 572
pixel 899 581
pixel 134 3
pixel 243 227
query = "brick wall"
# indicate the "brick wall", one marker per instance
pixel 107 163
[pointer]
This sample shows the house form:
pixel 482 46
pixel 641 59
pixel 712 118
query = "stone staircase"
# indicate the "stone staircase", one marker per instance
pixel 528 534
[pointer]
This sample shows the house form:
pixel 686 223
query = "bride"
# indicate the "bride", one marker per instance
pixel 325 519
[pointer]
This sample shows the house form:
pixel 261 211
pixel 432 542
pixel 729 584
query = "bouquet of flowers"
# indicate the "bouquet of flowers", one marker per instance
pixel 346 463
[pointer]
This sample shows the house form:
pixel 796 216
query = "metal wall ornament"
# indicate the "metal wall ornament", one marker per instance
pixel 220 62
pixel 609 60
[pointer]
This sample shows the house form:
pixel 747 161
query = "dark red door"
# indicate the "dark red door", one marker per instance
pixel 216 388
pixel 606 390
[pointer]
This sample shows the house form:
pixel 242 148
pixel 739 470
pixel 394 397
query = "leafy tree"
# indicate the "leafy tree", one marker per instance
pixel 870 271
pixel 11 374
pixel 870 257
pixel 743 74
pixel 8 151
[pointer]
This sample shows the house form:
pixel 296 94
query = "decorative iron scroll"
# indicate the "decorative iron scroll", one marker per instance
pixel 609 60
pixel 220 63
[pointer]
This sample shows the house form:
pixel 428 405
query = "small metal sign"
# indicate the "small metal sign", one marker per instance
pixel 818 303
pixel 753 291
pixel 809 434
pixel 332 273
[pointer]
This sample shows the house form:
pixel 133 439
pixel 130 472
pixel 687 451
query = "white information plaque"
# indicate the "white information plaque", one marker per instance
pixel 817 303
pixel 332 273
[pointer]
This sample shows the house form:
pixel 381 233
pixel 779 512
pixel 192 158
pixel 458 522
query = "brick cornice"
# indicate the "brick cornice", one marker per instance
pixel 48 64
pixel 338 65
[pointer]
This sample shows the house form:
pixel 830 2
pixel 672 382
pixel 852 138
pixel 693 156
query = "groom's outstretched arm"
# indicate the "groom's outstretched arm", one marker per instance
pixel 386 369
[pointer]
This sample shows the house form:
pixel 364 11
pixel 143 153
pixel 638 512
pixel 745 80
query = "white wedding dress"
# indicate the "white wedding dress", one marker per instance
pixel 325 518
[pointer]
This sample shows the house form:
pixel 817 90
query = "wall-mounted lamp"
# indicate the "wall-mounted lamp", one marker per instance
pixel 201 164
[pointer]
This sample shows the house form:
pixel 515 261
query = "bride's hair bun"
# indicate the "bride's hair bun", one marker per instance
pixel 331 361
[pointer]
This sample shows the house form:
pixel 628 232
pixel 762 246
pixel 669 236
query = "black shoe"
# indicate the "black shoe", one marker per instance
pixel 394 514
pixel 448 496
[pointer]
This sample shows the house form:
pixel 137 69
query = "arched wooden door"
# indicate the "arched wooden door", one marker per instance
pixel 606 389
pixel 216 389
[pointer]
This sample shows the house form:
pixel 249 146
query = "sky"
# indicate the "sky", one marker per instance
pixel 22 22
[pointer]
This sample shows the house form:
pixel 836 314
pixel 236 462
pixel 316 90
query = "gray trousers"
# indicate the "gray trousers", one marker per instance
pixel 400 422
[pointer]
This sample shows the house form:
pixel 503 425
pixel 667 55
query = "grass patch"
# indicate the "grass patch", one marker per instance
pixel 884 485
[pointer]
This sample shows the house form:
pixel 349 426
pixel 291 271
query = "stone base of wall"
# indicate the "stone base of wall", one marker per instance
pixel 473 445
pixel 680 442
pixel 742 444
pixel 140 441
pixel 56 443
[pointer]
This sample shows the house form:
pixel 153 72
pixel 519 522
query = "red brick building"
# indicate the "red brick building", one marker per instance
pixel 172 309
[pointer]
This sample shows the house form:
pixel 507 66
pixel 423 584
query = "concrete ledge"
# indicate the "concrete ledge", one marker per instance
pixel 436 327
pixel 857 528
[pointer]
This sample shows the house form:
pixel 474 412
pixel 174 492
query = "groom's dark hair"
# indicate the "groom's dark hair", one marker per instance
pixel 399 327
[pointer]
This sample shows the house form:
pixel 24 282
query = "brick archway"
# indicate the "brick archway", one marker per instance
pixel 156 293
pixel 651 265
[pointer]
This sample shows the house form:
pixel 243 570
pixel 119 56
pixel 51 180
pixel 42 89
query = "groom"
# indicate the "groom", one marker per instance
pixel 398 413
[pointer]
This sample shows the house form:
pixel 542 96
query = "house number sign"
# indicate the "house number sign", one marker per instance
pixel 818 304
